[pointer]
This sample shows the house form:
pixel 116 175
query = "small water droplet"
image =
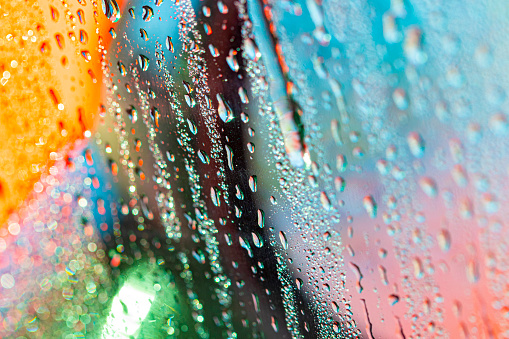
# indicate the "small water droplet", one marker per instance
pixel 257 240
pixel 444 240
pixel 54 13
pixel 238 193
pixel 213 51
pixel 143 34
pixel 231 60
pixel 282 239
pixel 251 50
pixel 223 9
pixel 229 156
pixel 298 282
pixel 416 144
pixel 121 69
pixel 393 299
pixel 246 246
pixel 199 256
pixel 243 95
pixel 215 196
pixel 86 55
pixel 324 199
pixel 261 218
pixel 418 269
pixel 169 44
pixel 370 206
pixel 251 147
pixel 83 37
pixel 203 157
pixel 192 127
pixel 429 186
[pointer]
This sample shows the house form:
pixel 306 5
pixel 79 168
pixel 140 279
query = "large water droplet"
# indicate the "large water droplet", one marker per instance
pixel 224 110
pixel 148 13
pixel 144 62
pixel 111 10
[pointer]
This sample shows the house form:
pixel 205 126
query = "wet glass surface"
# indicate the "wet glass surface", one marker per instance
pixel 261 169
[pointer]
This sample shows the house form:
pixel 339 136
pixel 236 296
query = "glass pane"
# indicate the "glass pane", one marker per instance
pixel 253 169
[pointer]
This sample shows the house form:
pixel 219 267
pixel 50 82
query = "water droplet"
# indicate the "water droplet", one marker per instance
pixel 148 13
pixel 54 13
pixel 370 206
pixel 206 11
pixel 428 186
pixel 246 246
pixel 257 240
pixel 121 69
pixel 341 163
pixel 339 184
pixel 261 218
pixel 243 95
pixel 358 273
pixel 86 55
pixel 459 175
pixel 215 196
pixel 213 51
pixel 400 99
pixel 143 34
pixel 253 183
pixel 498 124
pixel 250 147
pixel 113 33
pixel 144 62
pixel 251 50
pixel 60 41
pixel 298 282
pixel 224 110
pixel 83 37
pixel 199 256
pixel 274 323
pixel 466 208
pixel 132 113
pixel 238 193
pixel 229 156
pixel 416 144
pixel 192 127
pixel 7 281
pixel 155 115
pixel 282 238
pixel 444 240
pixel 111 10
pixel 324 199
pixel 169 44
pixel 418 269
pixel 190 100
pixel 393 299
pixel 223 9
pixel 231 60
pixel 472 271
pixel 203 157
